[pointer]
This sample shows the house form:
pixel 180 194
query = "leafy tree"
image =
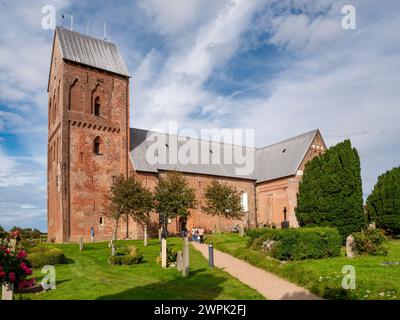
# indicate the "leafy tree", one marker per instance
pixel 222 200
pixel 330 193
pixel 129 198
pixel 383 204
pixel 173 198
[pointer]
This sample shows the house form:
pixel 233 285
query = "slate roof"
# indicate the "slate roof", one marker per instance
pixel 281 159
pixel 90 51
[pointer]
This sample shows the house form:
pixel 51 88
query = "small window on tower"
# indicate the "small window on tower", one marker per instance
pixel 101 221
pixel 97 107
pixel 96 145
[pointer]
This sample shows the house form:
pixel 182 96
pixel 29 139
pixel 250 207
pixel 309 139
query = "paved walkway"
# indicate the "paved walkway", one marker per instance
pixel 269 285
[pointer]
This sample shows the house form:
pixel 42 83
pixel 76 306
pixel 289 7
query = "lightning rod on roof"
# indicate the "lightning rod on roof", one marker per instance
pixel 105 31
pixel 72 22
pixel 87 27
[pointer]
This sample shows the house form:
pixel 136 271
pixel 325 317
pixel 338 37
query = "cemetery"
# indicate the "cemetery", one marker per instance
pixel 87 274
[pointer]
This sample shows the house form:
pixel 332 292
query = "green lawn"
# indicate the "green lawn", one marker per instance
pixel 324 276
pixel 88 276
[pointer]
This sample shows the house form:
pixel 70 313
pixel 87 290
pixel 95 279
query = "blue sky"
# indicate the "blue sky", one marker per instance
pixel 278 67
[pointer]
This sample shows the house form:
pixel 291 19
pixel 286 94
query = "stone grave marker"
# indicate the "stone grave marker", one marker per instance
pixel 80 244
pixel 372 226
pixel 179 261
pixel 7 292
pixel 145 236
pixel 163 253
pixel 350 247
pixel 13 245
pixel 185 257
pixel 113 250
pixel 241 230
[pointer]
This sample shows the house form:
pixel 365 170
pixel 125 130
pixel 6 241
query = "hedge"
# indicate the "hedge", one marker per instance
pixel 42 255
pixel 299 243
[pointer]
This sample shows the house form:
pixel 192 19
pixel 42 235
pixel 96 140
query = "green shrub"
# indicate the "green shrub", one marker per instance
pixel 371 242
pixel 42 255
pixel 122 251
pixel 126 256
pixel 297 244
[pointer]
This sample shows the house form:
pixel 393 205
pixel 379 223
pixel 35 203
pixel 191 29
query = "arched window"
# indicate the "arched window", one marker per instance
pixel 97 107
pixel 244 202
pixel 96 145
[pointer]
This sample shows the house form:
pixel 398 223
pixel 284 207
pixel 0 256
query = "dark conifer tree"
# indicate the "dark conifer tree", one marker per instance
pixel 383 204
pixel 330 192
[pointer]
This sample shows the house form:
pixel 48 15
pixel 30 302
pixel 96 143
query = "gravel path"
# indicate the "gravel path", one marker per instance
pixel 269 285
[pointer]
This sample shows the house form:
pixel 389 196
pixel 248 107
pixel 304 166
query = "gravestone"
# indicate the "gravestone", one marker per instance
pixel 112 250
pixel 13 245
pixel 241 230
pixel 80 244
pixel 372 226
pixel 163 253
pixel 185 257
pixel 7 292
pixel 145 237
pixel 179 261
pixel 350 247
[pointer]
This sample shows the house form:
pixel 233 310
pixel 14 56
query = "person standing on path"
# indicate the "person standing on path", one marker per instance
pixel 92 233
pixel 201 234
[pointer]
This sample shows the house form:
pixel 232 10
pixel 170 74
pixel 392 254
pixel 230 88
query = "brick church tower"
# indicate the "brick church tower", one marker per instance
pixel 88 141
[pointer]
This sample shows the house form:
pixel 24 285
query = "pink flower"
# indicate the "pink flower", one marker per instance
pixel 11 276
pixel 22 254
pixel 2 274
pixel 26 283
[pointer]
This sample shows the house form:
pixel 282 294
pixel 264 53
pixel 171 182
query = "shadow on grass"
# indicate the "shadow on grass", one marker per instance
pixel 68 261
pixel 200 285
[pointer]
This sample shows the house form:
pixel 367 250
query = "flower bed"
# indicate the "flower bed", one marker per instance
pixel 126 256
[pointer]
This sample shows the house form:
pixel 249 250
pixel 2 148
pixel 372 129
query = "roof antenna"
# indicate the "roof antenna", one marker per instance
pixel 62 19
pixel 105 31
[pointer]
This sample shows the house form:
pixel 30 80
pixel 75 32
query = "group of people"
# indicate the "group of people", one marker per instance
pixel 197 234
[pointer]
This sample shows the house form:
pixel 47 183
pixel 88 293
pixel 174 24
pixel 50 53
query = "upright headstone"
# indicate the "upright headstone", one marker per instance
pixel 145 236
pixel 372 226
pixel 179 261
pixel 185 257
pixel 113 250
pixel 80 244
pixel 241 230
pixel 163 253
pixel 13 245
pixel 350 247
pixel 7 292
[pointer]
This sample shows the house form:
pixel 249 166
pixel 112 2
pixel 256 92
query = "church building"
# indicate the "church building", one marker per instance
pixel 91 143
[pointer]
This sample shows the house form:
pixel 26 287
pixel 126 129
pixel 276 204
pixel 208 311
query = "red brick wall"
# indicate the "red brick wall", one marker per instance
pixel 197 218
pixel 273 196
